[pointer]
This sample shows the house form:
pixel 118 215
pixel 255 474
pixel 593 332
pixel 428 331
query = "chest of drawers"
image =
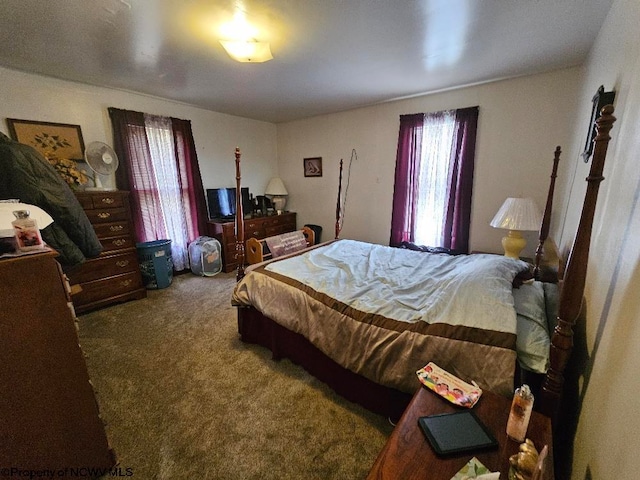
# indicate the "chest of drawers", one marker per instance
pixel 258 227
pixel 50 418
pixel 114 276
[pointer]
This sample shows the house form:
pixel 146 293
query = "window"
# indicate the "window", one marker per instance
pixel 434 179
pixel 162 173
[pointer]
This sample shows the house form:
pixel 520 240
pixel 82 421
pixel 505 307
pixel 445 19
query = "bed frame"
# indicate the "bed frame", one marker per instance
pixel 256 328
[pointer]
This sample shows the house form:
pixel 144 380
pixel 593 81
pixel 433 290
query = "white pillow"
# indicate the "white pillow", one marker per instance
pixel 533 342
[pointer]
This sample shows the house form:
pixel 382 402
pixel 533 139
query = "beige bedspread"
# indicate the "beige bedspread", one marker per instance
pixel 384 312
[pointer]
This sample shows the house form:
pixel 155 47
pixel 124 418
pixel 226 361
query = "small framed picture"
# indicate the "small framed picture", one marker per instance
pixel 50 139
pixel 313 167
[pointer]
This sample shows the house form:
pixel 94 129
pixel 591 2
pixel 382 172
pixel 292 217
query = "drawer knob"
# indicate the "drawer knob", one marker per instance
pixel 122 263
pixel 126 283
pixel 104 215
pixel 108 200
pixel 119 242
pixel 116 228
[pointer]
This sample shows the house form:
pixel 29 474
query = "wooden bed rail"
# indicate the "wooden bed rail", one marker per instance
pixel 256 251
pixel 575 274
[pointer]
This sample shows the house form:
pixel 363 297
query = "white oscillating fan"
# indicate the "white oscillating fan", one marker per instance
pixel 102 160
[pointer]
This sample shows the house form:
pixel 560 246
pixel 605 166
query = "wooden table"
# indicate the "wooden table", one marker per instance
pixel 407 454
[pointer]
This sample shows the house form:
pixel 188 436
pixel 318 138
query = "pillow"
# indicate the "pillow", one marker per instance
pixel 532 342
pixel 552 301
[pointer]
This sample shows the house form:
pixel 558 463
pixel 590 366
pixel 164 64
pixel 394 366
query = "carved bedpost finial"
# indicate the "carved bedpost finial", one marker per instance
pixel 239 221
pixel 575 274
pixel 546 219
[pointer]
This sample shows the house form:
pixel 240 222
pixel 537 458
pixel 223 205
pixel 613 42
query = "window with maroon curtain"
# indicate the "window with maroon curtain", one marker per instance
pixel 434 179
pixel 160 169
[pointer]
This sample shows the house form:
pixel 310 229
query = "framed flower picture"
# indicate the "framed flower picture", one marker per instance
pixel 59 140
pixel 313 167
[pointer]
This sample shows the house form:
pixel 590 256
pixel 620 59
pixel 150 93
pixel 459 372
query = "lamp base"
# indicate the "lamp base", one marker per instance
pixel 513 244
pixel 279 203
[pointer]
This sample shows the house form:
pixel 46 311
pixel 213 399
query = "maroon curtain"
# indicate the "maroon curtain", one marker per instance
pixel 190 179
pixel 132 147
pixel 405 192
pixel 458 216
pixel 460 182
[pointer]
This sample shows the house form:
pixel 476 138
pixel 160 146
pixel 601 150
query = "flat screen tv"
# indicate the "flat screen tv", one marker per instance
pixel 221 202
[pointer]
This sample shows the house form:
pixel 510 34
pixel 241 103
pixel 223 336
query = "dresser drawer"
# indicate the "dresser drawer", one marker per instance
pixel 117 243
pixel 106 215
pixel 278 229
pixel 104 266
pixel 93 200
pixel 108 287
pixel 112 229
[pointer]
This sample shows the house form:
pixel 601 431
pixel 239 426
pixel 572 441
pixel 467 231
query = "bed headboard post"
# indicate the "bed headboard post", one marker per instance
pixel 239 221
pixel 338 212
pixel 575 274
pixel 546 219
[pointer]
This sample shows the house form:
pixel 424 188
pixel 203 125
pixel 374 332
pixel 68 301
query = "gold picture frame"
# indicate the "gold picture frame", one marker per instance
pixel 313 167
pixel 61 140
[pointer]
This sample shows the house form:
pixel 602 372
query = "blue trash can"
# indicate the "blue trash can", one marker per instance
pixel 156 264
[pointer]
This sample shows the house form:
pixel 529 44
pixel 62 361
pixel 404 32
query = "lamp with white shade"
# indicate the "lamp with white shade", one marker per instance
pixel 516 215
pixel 278 193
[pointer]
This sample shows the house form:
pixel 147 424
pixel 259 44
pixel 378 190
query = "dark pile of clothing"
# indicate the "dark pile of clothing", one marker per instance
pixel 26 175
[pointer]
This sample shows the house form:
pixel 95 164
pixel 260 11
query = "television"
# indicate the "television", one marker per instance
pixel 221 202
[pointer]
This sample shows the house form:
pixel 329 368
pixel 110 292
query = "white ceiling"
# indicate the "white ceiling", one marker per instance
pixel 329 55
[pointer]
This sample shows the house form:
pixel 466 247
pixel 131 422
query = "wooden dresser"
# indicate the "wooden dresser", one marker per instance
pixel 49 417
pixel 114 276
pixel 256 227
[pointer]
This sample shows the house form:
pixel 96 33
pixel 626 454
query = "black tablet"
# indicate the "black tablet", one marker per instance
pixel 450 433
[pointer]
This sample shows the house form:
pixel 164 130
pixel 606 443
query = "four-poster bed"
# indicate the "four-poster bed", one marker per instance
pixel 310 347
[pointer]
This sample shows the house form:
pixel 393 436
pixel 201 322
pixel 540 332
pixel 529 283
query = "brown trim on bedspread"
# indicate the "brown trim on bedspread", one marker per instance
pixel 454 332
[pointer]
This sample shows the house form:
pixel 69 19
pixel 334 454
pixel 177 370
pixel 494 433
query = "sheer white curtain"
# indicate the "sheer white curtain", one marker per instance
pixel 434 177
pixel 171 222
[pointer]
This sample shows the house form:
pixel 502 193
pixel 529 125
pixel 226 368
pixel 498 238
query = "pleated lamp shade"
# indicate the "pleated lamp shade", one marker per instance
pixel 517 215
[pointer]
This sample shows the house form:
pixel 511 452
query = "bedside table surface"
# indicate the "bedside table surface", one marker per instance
pixel 408 455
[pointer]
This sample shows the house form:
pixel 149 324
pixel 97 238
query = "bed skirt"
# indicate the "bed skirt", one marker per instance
pixel 255 328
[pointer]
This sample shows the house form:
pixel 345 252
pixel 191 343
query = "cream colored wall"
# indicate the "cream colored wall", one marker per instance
pixel 521 122
pixel 216 135
pixel 608 437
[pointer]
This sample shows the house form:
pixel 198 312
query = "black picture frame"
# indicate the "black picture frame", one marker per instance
pixel 313 167
pixel 600 99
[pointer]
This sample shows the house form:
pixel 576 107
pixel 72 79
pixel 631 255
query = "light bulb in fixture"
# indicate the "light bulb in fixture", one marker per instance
pixel 248 50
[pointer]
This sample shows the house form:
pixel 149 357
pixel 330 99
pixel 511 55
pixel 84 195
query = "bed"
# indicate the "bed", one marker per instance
pixel 310 307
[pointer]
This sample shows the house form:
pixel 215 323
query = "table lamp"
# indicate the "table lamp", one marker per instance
pixel 278 194
pixel 516 215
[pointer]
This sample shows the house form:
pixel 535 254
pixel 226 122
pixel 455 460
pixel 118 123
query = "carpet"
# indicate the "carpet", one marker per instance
pixel 183 397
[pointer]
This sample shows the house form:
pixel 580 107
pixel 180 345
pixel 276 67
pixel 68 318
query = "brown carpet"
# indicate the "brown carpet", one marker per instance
pixel 183 397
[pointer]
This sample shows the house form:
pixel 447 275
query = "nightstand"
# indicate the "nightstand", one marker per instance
pixel 407 454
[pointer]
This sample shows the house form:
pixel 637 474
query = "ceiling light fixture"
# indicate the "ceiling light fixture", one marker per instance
pixel 250 51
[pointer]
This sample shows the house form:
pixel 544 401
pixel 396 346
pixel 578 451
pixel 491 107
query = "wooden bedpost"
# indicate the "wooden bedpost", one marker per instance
pixel 239 221
pixel 546 219
pixel 338 212
pixel 575 274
